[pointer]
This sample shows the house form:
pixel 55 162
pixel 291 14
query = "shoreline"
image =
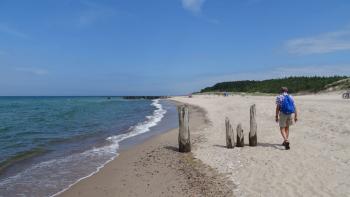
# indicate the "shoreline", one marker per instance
pixel 59 173
pixel 156 168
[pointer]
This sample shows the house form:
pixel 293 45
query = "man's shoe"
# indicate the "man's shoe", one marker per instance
pixel 286 144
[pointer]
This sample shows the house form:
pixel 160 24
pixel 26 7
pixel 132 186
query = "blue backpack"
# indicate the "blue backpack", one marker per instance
pixel 287 106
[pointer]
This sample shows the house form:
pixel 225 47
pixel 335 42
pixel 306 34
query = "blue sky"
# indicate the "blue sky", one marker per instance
pixel 150 47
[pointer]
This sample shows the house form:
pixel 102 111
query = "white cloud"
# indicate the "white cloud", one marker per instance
pixel 323 43
pixel 11 31
pixel 92 12
pixel 194 6
pixel 34 71
pixel 319 70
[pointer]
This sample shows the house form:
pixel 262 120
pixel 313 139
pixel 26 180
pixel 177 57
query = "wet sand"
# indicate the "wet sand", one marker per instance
pixel 156 168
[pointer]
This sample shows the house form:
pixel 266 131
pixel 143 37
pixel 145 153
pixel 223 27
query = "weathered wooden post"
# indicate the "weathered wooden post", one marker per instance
pixel 240 136
pixel 253 139
pixel 184 129
pixel 230 137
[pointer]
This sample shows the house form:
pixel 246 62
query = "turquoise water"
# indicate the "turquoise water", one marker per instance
pixel 45 140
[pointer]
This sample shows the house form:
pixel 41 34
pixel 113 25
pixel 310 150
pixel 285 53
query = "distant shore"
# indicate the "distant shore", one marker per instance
pixel 145 97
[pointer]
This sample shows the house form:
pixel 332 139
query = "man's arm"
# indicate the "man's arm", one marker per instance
pixel 277 112
pixel 296 111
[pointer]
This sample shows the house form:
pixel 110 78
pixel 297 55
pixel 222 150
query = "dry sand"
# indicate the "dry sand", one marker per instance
pixel 318 163
pixel 156 168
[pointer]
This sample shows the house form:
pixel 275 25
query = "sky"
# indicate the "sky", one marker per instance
pixel 166 47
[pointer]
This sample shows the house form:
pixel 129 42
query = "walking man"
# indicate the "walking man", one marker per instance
pixel 285 108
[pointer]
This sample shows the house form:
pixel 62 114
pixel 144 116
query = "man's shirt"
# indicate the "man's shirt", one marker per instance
pixel 279 98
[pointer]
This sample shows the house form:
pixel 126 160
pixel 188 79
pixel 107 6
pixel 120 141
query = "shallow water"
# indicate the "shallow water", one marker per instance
pixel 45 140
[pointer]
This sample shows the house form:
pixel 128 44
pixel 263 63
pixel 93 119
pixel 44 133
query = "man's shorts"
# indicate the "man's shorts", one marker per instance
pixel 285 120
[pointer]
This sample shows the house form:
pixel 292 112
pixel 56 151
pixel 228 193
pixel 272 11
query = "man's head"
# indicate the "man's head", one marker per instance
pixel 284 89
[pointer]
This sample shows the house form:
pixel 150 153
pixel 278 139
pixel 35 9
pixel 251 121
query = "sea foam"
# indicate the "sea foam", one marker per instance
pixel 57 175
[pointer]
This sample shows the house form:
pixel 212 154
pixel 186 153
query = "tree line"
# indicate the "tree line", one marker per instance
pixel 294 84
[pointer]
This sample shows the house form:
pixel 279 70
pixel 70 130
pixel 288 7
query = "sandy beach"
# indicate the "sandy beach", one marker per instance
pixel 318 163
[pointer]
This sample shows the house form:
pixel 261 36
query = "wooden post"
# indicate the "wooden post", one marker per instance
pixel 230 138
pixel 240 136
pixel 253 139
pixel 184 130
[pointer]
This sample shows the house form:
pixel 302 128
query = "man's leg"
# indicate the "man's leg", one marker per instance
pixel 287 132
pixel 286 140
pixel 283 133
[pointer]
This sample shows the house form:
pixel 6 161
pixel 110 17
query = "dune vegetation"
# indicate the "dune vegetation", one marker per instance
pixel 295 85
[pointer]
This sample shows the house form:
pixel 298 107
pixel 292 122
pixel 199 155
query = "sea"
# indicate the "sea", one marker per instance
pixel 47 144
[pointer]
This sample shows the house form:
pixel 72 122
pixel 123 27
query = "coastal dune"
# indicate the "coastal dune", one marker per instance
pixel 318 163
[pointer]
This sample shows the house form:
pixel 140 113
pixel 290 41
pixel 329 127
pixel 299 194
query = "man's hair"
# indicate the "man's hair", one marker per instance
pixel 284 89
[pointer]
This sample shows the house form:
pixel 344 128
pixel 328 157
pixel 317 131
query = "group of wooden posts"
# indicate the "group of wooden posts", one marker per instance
pixel 184 131
pixel 230 136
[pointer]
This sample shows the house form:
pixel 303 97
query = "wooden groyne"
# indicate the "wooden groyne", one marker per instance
pixel 184 129
pixel 253 140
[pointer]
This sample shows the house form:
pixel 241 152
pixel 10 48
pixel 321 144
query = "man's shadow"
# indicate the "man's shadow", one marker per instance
pixel 220 146
pixel 276 146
